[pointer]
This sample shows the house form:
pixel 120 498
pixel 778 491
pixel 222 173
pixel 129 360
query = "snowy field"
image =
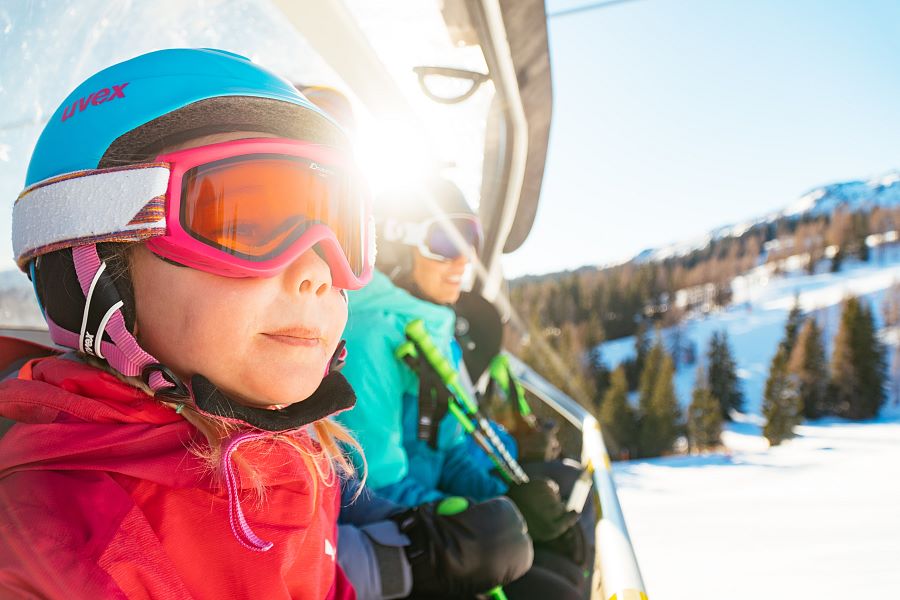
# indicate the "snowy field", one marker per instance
pixel 816 518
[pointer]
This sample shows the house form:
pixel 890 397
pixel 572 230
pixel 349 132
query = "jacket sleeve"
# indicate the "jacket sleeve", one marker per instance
pixel 374 560
pixel 361 506
pixel 463 476
pixel 370 546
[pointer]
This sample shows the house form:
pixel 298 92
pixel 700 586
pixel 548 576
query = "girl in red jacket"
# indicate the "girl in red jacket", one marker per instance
pixel 190 223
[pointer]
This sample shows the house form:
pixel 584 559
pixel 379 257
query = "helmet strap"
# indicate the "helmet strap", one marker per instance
pixel 103 331
pixel 333 395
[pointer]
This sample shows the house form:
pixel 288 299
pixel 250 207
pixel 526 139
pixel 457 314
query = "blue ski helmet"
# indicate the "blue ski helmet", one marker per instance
pixel 128 97
pixel 127 114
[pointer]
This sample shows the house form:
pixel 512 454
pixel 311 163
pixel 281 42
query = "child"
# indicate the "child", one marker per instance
pixel 190 224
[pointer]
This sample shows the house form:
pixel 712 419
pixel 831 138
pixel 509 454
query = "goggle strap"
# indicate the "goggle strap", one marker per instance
pixel 414 233
pixel 117 204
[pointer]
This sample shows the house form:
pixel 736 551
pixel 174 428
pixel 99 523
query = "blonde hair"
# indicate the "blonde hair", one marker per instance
pixel 325 450
pixel 322 453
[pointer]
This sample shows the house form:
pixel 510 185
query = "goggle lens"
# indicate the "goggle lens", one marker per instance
pixel 255 206
pixel 443 243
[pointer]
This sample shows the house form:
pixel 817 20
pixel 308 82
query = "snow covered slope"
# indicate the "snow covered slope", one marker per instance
pixel 881 191
pixel 814 518
pixel 854 195
pixel 755 320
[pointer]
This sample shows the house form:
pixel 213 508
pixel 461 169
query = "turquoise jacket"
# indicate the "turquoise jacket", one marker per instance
pixel 384 421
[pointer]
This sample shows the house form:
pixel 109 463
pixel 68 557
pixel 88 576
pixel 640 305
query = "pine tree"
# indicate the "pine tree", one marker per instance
pixel 618 418
pixel 597 369
pixel 704 421
pixel 722 376
pixel 808 364
pixel 781 401
pixel 792 326
pixel 660 415
pixel 857 364
pixel 600 376
pixel 635 369
pixel 844 378
pixel 650 372
pixel 872 366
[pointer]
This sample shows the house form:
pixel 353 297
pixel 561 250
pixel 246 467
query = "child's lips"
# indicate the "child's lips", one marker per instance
pixel 296 336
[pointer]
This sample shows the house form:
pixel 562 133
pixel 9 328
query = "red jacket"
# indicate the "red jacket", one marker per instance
pixel 101 498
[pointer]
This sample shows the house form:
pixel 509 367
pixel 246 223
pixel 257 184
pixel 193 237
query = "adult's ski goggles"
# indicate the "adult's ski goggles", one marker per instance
pixel 442 238
pixel 246 208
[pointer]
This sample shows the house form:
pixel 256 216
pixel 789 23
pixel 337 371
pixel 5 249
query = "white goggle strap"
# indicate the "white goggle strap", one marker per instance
pixel 87 207
pixel 408 234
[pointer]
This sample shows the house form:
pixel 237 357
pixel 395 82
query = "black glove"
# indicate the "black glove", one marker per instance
pixel 537 444
pixel 543 508
pixel 466 553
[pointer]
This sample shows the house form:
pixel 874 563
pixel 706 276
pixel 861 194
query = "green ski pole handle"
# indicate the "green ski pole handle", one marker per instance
pixel 408 353
pixel 455 505
pixel 502 373
pixel 416 332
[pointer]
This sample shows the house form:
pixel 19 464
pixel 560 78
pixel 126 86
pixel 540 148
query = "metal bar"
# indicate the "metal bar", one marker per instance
pixel 331 29
pixel 488 19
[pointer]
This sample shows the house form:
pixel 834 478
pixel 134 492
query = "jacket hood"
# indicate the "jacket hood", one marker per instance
pixel 71 416
pixel 381 295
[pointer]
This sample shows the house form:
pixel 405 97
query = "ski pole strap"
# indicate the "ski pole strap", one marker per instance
pixel 427 427
pixel 416 333
pixel 434 398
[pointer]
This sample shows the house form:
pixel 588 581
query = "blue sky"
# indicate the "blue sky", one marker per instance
pixel 672 117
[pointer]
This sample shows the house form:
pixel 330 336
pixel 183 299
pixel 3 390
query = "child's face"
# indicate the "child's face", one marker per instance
pixel 262 341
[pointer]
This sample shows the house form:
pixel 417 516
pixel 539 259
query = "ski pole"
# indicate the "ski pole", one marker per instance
pixel 416 333
pixel 502 374
pixel 455 505
pixel 407 353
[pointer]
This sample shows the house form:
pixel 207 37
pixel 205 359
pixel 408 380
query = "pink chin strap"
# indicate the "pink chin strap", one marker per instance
pixel 124 354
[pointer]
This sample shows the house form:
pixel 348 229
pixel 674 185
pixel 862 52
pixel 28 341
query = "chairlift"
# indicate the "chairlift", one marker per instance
pixel 429 69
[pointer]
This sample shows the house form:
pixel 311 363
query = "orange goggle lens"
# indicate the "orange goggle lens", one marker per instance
pixel 255 207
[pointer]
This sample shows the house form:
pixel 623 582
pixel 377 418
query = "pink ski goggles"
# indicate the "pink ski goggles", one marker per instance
pixel 248 208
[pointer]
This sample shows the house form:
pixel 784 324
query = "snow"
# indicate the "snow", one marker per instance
pixel 755 320
pixel 883 191
pixel 813 518
pixel 816 517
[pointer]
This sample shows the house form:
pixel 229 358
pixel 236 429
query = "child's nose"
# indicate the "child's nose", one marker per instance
pixel 309 274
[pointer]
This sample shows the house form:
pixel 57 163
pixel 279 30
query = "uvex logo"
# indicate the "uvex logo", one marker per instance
pixel 95 99
pixel 89 344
